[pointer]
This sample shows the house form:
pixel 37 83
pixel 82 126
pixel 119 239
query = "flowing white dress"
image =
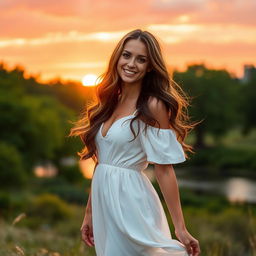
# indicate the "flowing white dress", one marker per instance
pixel 127 215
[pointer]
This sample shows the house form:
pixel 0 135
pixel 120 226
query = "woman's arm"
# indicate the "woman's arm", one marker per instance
pixel 165 174
pixel 87 227
pixel 167 181
pixel 88 208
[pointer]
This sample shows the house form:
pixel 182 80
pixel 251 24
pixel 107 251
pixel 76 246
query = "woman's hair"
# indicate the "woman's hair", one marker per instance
pixel 156 83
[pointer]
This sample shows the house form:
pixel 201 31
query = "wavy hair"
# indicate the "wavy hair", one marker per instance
pixel 156 83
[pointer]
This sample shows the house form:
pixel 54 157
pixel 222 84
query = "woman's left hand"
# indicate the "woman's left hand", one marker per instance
pixel 87 229
pixel 191 244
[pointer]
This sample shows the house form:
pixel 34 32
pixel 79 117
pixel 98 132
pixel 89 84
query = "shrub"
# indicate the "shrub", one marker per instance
pixel 72 174
pixel 12 174
pixel 225 158
pixel 48 209
pixel 63 189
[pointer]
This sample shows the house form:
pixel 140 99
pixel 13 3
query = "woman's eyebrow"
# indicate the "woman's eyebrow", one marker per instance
pixel 139 54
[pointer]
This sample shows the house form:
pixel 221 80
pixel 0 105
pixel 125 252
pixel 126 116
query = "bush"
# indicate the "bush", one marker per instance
pixel 64 190
pixel 237 158
pixel 5 204
pixel 12 174
pixel 225 158
pixel 48 209
pixel 70 194
pixel 71 173
pixel 13 203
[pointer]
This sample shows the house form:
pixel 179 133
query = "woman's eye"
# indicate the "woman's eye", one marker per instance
pixel 142 60
pixel 126 55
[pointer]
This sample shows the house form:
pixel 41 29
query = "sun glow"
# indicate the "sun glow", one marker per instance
pixel 87 167
pixel 89 80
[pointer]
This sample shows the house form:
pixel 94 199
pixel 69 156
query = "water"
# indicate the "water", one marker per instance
pixel 235 189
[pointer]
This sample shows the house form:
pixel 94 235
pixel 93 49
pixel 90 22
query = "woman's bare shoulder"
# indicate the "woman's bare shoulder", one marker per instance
pixel 159 111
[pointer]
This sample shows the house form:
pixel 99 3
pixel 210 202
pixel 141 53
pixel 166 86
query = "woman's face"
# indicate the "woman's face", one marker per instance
pixel 133 62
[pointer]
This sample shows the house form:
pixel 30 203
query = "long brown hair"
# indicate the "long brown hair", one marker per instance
pixel 156 83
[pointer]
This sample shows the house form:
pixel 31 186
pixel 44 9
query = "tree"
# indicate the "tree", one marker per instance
pixel 249 104
pixel 214 100
pixel 36 126
pixel 33 119
pixel 12 174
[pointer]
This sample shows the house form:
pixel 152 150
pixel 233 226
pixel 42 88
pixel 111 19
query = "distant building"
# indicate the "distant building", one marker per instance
pixel 249 71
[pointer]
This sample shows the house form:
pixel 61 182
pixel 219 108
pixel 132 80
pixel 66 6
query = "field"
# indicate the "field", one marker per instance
pixel 51 227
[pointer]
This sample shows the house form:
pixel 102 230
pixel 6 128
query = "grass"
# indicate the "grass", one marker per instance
pixel 224 230
pixel 62 239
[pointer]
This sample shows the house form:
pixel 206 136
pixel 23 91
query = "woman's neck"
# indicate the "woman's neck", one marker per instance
pixel 129 93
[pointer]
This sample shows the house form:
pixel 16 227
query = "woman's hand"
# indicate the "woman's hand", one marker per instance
pixel 191 244
pixel 87 230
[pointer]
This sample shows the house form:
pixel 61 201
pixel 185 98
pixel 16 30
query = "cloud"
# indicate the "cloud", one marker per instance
pixel 80 65
pixel 29 18
pixel 86 31
pixel 61 8
pixel 205 33
pixel 178 6
pixel 60 37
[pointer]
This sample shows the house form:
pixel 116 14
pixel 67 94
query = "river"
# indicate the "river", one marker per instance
pixel 234 188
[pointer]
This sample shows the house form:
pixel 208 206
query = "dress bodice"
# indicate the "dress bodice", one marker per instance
pixel 155 146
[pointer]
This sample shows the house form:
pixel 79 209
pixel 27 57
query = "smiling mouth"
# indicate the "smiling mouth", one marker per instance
pixel 129 72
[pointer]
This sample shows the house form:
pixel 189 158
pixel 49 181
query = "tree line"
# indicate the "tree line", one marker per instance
pixel 35 117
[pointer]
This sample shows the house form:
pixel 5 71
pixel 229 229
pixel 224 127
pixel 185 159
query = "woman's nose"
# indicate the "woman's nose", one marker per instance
pixel 131 63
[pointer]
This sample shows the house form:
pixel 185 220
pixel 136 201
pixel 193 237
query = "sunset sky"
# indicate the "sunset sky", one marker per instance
pixel 70 39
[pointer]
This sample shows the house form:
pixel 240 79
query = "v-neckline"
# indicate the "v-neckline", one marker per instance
pixel 121 118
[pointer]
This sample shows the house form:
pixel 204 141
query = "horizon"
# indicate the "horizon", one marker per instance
pixel 28 75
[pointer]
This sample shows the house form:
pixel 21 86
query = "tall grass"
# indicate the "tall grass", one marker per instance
pixel 224 230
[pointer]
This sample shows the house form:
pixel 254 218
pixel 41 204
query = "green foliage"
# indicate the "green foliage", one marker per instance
pixel 249 104
pixel 12 203
pixel 12 82
pixel 72 95
pixel 72 174
pixel 65 190
pixel 12 172
pixel 5 203
pixel 15 201
pixel 215 96
pixel 62 239
pixel 62 188
pixel 33 120
pixel 220 233
pixel 227 233
pixel 222 157
pixel 200 200
pixel 41 209
pixel 48 209
pixel 36 126
pixel 69 193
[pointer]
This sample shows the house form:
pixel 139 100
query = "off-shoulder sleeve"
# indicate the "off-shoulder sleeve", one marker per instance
pixel 161 146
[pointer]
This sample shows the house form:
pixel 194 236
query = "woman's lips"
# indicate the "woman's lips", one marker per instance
pixel 129 72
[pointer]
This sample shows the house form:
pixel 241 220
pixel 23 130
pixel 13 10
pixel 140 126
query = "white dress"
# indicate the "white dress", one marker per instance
pixel 127 215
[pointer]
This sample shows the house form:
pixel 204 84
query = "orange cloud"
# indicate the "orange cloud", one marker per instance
pixel 71 39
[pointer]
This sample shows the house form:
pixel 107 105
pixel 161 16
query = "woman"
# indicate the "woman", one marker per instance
pixel 140 118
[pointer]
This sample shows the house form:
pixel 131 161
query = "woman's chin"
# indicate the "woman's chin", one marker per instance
pixel 128 80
